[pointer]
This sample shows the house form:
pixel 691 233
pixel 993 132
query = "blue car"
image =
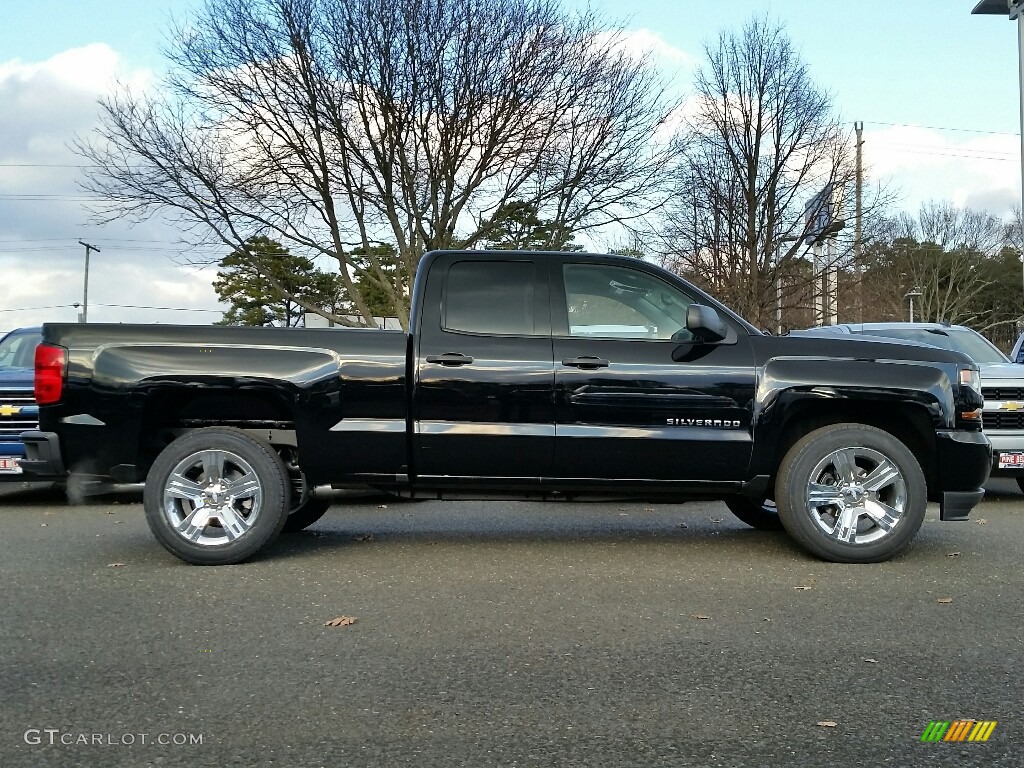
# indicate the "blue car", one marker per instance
pixel 18 410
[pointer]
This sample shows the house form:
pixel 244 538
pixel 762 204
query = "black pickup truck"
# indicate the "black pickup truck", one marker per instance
pixel 525 375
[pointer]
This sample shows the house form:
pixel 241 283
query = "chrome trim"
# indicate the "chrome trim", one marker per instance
pixel 83 419
pixel 369 425
pixel 484 428
pixel 662 433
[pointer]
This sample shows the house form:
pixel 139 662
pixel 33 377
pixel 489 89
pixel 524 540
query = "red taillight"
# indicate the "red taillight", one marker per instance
pixel 50 364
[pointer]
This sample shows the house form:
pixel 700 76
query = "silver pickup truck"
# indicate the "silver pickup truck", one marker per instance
pixel 1002 382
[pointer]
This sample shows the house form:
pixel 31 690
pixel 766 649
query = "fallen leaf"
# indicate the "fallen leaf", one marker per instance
pixel 681 525
pixel 953 554
pixel 871 661
pixel 716 519
pixel 110 511
pixel 945 600
pixel 981 521
pixel 118 522
pixel 699 616
pixel 623 514
pixel 364 537
pixel 42 525
pixel 382 506
pixel 827 723
pixel 341 621
pixel 803 587
pixel 766 618
pixel 115 565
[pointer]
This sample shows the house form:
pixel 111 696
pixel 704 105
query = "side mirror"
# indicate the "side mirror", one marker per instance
pixel 705 324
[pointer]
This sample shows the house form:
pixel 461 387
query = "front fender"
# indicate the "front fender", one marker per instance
pixel 850 389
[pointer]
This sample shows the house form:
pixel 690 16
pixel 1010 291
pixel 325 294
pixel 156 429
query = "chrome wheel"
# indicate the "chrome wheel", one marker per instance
pixel 851 493
pixel 856 495
pixel 212 497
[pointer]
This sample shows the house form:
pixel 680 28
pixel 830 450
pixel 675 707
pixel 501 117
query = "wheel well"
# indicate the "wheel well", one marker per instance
pixel 910 424
pixel 167 413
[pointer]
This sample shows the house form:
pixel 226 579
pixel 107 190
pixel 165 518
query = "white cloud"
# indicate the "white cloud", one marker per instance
pixel 981 171
pixel 43 212
pixel 647 42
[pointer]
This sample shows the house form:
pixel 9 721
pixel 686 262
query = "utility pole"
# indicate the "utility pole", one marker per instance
pixel 858 232
pixel 85 292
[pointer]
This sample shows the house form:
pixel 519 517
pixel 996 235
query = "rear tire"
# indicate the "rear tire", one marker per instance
pixel 216 496
pixel 764 515
pixel 307 513
pixel 1020 484
pixel 851 493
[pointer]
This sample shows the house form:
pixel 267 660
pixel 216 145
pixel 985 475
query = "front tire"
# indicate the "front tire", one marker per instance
pixel 216 496
pixel 851 493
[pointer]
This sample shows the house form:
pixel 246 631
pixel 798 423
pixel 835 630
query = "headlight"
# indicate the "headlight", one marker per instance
pixel 971 400
pixel 969 377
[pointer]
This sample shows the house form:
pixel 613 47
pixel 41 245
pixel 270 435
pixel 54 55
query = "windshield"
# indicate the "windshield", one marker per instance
pixel 973 344
pixel 18 350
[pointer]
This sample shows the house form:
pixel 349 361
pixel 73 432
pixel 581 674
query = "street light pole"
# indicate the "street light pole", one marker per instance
pixel 85 290
pixel 1015 13
pixel 913 293
pixel 1015 10
pixel 778 279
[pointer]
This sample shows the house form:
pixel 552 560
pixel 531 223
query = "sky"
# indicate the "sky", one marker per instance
pixel 936 89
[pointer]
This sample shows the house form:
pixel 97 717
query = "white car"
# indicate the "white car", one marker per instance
pixel 1002 382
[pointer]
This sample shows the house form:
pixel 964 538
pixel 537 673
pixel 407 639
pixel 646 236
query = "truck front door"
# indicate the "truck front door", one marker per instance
pixel 635 398
pixel 484 372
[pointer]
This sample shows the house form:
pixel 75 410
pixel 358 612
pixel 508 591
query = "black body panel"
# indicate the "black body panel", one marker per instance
pixel 524 375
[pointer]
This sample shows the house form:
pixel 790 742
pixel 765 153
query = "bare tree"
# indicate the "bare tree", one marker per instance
pixel 761 142
pixel 946 253
pixel 333 125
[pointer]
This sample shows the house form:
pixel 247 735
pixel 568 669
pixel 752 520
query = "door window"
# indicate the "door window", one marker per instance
pixel 606 301
pixel 491 297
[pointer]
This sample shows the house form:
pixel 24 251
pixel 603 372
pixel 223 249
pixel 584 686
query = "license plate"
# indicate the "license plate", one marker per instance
pixel 1011 459
pixel 10 466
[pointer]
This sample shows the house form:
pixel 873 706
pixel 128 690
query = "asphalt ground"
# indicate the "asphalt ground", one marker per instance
pixel 504 634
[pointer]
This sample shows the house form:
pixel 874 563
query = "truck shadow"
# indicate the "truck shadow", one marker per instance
pixel 377 522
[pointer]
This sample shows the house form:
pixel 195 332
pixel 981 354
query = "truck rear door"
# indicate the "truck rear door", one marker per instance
pixel 484 372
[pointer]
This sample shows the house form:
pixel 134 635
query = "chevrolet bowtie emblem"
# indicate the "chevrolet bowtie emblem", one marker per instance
pixel 1011 406
pixel 10 410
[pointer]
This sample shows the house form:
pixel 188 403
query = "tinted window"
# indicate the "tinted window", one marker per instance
pixel 493 297
pixel 616 302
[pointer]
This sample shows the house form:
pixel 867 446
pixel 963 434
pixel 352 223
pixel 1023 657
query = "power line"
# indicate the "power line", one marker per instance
pixel 72 237
pixel 30 198
pixel 921 149
pixel 36 309
pixel 168 309
pixel 116 306
pixel 127 248
pixel 941 128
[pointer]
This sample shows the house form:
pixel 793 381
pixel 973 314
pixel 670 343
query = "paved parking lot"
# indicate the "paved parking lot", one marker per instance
pixel 496 634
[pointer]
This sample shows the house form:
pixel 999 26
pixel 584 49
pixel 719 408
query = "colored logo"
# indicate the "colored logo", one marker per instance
pixel 1012 405
pixel 10 410
pixel 958 730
